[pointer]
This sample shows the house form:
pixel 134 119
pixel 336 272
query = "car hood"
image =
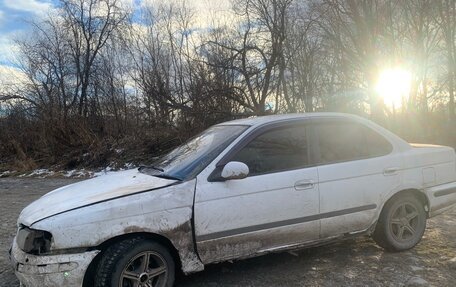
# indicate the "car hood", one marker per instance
pixel 87 192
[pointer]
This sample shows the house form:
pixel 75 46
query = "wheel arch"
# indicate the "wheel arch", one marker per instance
pixel 382 234
pixel 420 195
pixel 166 242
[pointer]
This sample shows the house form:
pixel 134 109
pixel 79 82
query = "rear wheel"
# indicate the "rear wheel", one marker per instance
pixel 401 224
pixel 135 262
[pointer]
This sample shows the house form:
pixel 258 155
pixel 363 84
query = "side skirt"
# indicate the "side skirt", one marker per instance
pixel 303 245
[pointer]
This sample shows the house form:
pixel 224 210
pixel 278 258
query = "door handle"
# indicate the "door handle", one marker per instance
pixel 390 171
pixel 304 184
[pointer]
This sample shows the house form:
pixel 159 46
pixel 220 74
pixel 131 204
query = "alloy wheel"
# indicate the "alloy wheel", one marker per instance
pixel 147 269
pixel 404 222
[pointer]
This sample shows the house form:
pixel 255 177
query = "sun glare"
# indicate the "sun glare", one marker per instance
pixel 393 86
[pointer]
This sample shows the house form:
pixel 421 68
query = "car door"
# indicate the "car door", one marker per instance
pixel 274 206
pixel 357 167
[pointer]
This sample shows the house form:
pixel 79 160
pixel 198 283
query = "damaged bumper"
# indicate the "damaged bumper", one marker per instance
pixel 50 270
pixel 442 198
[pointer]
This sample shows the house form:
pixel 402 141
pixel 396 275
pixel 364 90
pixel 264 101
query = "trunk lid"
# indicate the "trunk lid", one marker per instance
pixel 428 154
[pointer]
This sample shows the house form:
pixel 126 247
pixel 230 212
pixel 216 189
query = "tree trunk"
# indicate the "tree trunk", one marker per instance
pixel 451 103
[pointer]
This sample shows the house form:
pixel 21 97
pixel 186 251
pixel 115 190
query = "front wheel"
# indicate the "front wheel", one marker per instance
pixel 401 223
pixel 135 262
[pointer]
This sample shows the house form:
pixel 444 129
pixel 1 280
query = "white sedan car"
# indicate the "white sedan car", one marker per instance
pixel 239 189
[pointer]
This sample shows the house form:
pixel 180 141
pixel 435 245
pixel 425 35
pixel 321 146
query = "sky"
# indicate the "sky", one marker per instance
pixel 15 14
pixel 13 20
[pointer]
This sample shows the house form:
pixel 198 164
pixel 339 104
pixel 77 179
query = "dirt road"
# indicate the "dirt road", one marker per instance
pixel 350 263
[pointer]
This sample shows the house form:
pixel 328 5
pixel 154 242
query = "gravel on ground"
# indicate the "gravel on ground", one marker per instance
pixel 354 262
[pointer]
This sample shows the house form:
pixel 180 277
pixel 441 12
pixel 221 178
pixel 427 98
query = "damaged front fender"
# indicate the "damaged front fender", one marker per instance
pixel 166 212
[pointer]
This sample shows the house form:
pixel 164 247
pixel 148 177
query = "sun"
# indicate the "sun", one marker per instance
pixel 393 86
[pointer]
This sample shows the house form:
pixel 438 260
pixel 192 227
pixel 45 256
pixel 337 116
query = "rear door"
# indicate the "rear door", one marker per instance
pixel 357 167
pixel 274 207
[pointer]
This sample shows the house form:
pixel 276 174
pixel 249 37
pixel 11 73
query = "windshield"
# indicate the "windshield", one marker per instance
pixel 192 157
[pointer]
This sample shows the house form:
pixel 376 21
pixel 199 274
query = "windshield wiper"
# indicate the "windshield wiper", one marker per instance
pixel 151 167
pixel 166 176
pixel 161 175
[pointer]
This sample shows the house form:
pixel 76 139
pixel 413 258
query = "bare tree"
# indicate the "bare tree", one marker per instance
pixel 447 23
pixel 418 17
pixel 257 48
pixel 301 67
pixel 97 75
pixel 357 28
pixel 91 24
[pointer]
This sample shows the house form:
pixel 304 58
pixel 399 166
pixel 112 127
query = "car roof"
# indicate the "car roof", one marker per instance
pixel 260 120
pixel 254 122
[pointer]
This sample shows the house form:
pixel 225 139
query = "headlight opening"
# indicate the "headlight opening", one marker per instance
pixel 34 241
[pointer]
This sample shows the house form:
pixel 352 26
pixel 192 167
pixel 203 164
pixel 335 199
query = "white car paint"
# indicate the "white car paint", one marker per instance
pixel 235 170
pixel 222 209
pixel 209 221
pixel 89 192
pixel 339 189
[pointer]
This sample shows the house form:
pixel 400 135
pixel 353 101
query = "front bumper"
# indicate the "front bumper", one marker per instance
pixel 50 270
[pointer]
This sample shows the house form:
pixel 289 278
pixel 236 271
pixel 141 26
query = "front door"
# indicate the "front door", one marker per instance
pixel 277 205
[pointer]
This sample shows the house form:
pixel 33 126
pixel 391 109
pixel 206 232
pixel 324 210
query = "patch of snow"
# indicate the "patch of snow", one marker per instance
pixel 104 171
pixel 109 169
pixel 41 173
pixel 74 173
pixel 69 173
pixel 416 268
pixel 416 282
pixel 452 263
pixel 78 173
pixel 6 173
pixel 129 165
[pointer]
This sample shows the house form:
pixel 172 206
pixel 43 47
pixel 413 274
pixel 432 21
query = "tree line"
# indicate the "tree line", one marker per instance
pixel 103 80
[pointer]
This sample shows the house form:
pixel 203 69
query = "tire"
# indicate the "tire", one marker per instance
pixel 124 265
pixel 401 223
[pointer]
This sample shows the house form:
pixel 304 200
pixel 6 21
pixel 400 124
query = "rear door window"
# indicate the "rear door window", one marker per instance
pixel 340 141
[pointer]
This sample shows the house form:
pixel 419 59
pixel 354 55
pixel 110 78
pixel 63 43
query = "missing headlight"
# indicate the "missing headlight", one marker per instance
pixel 33 241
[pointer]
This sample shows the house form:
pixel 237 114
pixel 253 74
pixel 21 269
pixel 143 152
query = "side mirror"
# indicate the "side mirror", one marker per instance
pixel 235 170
